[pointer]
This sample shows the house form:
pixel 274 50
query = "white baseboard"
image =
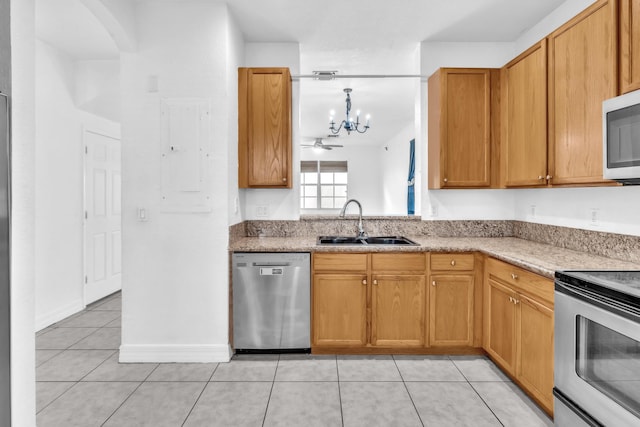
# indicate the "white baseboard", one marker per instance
pixel 57 315
pixel 178 353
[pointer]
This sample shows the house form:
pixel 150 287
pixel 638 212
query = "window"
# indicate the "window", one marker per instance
pixel 323 185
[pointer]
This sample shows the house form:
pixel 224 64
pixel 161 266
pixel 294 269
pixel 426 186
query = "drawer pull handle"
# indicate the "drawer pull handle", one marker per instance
pixel 514 276
pixel 453 262
pixel 364 281
pixel 433 283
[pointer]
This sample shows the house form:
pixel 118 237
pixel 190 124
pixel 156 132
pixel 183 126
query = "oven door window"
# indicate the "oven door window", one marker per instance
pixel 610 362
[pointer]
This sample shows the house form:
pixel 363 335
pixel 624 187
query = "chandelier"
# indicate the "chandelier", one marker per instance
pixel 348 124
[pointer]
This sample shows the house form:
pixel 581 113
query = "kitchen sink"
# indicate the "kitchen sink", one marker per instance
pixel 373 240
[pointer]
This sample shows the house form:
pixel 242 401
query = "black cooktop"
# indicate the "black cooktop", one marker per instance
pixel 624 281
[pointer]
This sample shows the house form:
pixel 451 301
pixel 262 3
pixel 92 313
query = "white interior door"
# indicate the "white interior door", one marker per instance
pixel 102 228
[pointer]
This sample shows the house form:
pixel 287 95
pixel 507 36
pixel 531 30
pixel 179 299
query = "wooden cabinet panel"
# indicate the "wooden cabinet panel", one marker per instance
pixel 629 45
pixel 340 262
pixel 452 262
pixel 582 73
pixel 385 262
pixel 451 308
pixel 339 309
pixel 527 281
pixel 500 315
pixel 398 310
pixel 264 127
pixel 459 117
pixel 535 349
pixel 524 124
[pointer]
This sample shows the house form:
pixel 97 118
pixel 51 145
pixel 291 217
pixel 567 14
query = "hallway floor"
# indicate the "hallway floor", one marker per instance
pixel 81 383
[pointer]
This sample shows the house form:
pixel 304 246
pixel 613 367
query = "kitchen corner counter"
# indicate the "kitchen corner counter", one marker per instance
pixel 539 258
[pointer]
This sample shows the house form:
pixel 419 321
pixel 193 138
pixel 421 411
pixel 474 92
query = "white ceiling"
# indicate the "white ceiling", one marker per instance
pixel 351 36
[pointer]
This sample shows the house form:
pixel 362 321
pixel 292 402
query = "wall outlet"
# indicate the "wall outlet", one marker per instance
pixel 236 205
pixel 433 211
pixel 262 211
pixel 532 211
pixel 594 216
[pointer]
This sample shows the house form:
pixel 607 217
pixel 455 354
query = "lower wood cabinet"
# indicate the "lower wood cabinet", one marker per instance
pixel 369 300
pixel 451 299
pixel 339 309
pixel 397 310
pixel 518 327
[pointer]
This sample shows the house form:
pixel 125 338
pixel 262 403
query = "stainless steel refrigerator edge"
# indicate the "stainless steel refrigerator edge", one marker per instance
pixel 271 301
pixel 5 331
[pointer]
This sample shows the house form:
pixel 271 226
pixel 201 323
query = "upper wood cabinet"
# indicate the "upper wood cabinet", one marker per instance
pixel 264 128
pixel 459 119
pixel 524 121
pixel 629 45
pixel 583 72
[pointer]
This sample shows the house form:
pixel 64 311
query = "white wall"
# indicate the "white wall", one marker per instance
pixel 175 262
pixel 59 186
pixel 235 59
pixel 394 171
pixel 615 208
pixel 23 408
pixel 285 203
pixel 462 204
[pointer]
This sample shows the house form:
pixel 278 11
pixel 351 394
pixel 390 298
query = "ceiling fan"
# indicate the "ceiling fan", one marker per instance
pixel 318 144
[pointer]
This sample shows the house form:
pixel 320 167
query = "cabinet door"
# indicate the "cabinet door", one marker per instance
pixel 524 142
pixel 339 309
pixel 501 330
pixel 535 349
pixel 629 45
pixel 264 146
pixel 451 310
pixel 582 73
pixel 398 304
pixel 460 128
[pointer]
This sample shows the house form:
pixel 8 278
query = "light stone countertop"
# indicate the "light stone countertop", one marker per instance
pixel 536 257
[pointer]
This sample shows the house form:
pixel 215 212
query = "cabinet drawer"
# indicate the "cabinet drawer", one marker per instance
pixel 340 262
pixel 520 279
pixel 452 262
pixel 399 262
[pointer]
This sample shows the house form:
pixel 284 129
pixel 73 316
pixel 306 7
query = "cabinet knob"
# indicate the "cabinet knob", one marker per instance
pixel 445 180
pixel 375 281
pixel 549 177
pixel 540 177
pixel 453 262
pixel 284 179
pixel 516 301
pixel 511 299
pixel 433 283
pixel 514 276
pixel 364 281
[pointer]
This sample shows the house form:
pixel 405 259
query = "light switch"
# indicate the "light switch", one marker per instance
pixel 142 215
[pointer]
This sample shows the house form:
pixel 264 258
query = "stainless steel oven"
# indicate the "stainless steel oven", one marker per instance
pixel 597 348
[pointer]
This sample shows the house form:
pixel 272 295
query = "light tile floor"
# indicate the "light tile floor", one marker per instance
pixel 81 383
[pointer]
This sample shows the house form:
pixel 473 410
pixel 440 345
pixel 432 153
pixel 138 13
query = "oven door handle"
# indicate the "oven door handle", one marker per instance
pixel 617 306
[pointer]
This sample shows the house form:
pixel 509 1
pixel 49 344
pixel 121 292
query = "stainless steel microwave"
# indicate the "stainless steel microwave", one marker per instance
pixel 621 138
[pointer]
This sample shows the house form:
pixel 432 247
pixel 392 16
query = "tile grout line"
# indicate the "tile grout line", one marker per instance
pixel 273 382
pixel 404 383
pixel 476 391
pixel 206 384
pixel 339 391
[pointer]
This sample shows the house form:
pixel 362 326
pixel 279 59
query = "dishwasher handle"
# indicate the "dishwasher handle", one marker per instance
pixel 271 264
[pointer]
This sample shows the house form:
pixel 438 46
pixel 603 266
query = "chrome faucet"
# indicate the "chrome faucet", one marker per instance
pixel 361 233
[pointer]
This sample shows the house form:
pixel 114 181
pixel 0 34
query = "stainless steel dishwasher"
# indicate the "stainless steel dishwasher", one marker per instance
pixel 271 302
